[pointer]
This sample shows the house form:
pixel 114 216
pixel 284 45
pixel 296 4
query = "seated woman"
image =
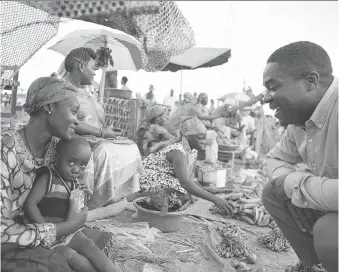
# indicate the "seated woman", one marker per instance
pixel 52 105
pixel 151 131
pixel 188 109
pixel 116 167
pixel 173 166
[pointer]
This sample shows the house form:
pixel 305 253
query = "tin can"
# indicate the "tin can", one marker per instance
pixel 79 199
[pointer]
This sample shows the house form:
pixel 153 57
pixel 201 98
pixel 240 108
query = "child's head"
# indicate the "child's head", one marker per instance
pixel 73 156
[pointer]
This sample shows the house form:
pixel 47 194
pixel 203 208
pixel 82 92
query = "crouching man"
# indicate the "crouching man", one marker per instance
pixel 304 205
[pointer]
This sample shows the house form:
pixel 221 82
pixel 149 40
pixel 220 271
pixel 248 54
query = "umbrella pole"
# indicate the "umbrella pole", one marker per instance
pixel 181 82
pixel 102 86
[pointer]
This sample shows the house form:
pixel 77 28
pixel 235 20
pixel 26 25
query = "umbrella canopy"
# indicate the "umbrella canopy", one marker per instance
pixel 198 57
pixel 238 96
pixel 25 26
pixel 126 51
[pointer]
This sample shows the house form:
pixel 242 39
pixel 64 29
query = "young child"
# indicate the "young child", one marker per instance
pixel 49 201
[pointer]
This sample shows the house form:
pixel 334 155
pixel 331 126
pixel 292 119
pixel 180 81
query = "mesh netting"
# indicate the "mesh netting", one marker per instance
pixel 27 25
pixel 24 30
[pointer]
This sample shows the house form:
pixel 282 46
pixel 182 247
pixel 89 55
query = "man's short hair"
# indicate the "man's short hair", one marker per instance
pixel 124 79
pixel 299 58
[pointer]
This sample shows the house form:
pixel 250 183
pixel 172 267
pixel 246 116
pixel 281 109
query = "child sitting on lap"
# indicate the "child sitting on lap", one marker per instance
pixel 49 201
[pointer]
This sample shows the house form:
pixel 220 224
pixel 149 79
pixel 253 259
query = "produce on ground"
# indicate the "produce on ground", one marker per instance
pixel 274 240
pixel 166 201
pixel 233 244
pixel 248 207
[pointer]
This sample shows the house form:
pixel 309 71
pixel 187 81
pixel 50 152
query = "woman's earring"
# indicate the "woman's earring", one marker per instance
pixel 49 112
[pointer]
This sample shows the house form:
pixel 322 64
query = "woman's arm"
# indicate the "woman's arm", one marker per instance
pixel 180 165
pixel 14 235
pixel 84 129
pixel 37 193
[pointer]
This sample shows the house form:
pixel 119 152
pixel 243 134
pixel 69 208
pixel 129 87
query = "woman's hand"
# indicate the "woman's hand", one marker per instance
pixel 224 205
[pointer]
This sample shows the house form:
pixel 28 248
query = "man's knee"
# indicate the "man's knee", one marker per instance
pixel 325 231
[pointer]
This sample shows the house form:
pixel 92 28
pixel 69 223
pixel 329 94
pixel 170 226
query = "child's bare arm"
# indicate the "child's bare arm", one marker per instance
pixel 38 191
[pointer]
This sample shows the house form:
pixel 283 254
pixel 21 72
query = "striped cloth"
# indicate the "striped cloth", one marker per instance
pixel 55 204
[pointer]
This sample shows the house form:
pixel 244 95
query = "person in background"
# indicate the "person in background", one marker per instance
pixel 151 130
pixel 169 100
pixel 201 107
pixel 212 107
pixel 124 81
pixel 6 99
pixel 304 94
pixel 150 97
pixel 248 123
pixel 188 109
pixel 195 98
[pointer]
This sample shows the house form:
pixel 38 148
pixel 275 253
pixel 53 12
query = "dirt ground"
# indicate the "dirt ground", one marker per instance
pixel 187 258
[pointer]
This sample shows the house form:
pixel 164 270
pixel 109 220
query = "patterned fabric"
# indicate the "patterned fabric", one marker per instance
pixel 159 172
pixel 18 170
pixel 37 259
pixel 114 166
pixel 48 90
pixel 90 110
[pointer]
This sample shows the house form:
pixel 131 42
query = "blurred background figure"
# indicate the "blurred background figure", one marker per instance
pixel 212 107
pixel 124 81
pixel 150 97
pixel 170 100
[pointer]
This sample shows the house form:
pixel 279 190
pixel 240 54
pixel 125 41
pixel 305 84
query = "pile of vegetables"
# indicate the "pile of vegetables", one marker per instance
pixel 233 244
pixel 248 207
pixel 166 201
pixel 274 240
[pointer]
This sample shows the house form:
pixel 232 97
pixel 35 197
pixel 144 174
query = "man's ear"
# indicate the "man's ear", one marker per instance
pixel 312 80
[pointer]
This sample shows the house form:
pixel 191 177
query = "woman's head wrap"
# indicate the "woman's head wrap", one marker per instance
pixel 192 126
pixel 202 96
pixel 154 112
pixel 48 90
pixel 188 97
pixel 79 55
pixel 189 126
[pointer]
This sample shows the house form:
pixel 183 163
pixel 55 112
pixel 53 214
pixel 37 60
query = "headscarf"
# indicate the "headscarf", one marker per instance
pixel 48 90
pixel 201 97
pixel 188 98
pixel 188 127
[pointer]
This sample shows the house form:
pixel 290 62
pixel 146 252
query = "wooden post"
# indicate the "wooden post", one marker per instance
pixel 14 99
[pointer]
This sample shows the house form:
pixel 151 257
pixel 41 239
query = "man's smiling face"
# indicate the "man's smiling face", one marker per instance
pixel 289 97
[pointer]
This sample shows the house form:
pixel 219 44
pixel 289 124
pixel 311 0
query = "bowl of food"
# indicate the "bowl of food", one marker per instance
pixel 163 210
